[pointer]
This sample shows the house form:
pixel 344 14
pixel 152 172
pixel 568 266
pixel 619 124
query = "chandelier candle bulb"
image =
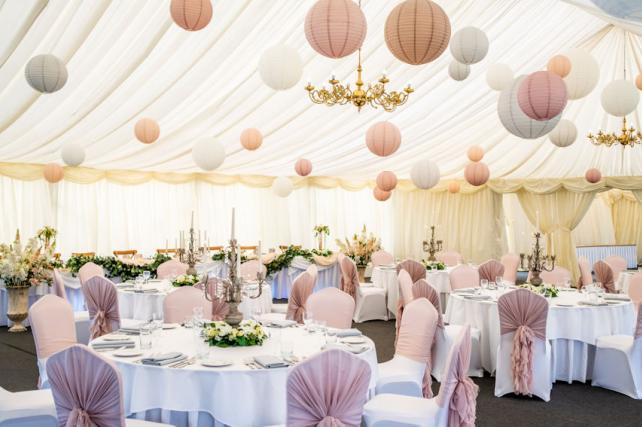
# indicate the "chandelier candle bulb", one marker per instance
pixel 233 224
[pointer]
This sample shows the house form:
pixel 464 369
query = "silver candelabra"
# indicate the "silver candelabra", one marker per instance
pixel 538 261
pixel 433 246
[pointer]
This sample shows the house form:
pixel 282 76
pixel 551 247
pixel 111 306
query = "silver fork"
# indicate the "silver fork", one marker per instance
pixel 182 363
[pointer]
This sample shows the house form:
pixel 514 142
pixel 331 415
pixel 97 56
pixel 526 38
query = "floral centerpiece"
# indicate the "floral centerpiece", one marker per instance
pixel 320 232
pixel 433 265
pixel 20 268
pixel 185 280
pixel 546 290
pixel 247 333
pixel 361 247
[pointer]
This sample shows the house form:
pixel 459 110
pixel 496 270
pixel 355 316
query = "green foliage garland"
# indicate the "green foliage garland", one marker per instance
pixel 114 267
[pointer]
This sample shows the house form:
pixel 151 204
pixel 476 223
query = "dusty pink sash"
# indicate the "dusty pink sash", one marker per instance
pixel 328 390
pixel 101 298
pixel 490 270
pixel 59 285
pixel 301 289
pixel 415 269
pixel 604 275
pixel 349 277
pixel 525 313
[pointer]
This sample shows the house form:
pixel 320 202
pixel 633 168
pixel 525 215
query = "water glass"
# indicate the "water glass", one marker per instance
pixel 330 339
pixel 197 313
pixel 499 280
pixel 138 284
pixel 492 286
pixel 484 283
pixel 145 337
pixel 146 275
pixel 308 320
pixel 287 349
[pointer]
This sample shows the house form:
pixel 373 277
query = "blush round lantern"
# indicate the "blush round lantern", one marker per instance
pixel 147 130
pixel 387 181
pixel 476 174
pixel 542 95
pixel 475 153
pixel 453 187
pixel 191 15
pixel 638 81
pixel 469 45
pixel 53 173
pixel 381 195
pixel 335 28
pixel 417 31
pixel 593 175
pixel 251 139
pixel 383 138
pixel 560 65
pixel 46 73
pixel 303 167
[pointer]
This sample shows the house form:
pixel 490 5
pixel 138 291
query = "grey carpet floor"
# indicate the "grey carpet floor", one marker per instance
pixel 574 404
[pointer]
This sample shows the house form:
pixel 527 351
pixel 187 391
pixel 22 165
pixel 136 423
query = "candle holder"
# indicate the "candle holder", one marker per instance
pixel 538 262
pixel 433 246
pixel 521 261
pixel 191 254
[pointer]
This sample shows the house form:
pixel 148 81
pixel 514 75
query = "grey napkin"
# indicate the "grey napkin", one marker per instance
pixel 102 345
pixel 352 348
pixel 342 333
pixel 269 362
pixel 616 297
pixel 589 303
pixel 277 323
pixel 478 297
pixel 464 291
pixel 163 359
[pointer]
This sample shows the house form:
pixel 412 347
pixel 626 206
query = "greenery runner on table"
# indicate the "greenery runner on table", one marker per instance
pixel 283 260
pixel 115 267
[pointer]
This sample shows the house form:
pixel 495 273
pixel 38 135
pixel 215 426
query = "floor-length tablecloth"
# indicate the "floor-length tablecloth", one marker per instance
pixel 572 331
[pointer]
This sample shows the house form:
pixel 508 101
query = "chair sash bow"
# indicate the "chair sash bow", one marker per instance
pixel 330 421
pixel 78 417
pixel 522 360
pixel 101 324
pixel 462 411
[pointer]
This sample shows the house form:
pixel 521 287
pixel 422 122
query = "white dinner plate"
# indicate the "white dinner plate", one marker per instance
pixel 561 304
pixel 170 325
pixel 115 337
pixel 216 363
pixel 128 352
pixel 354 340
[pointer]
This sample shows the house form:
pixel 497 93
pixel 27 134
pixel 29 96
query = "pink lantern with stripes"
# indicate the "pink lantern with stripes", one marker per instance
pixel 542 95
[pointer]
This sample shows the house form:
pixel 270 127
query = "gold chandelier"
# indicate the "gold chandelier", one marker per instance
pixel 628 138
pixel 375 95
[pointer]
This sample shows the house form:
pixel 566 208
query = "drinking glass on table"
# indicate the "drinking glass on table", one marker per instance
pixel 197 315
pixel 145 337
pixel 499 280
pixel 287 348
pixel 308 320
pixel 146 275
pixel 484 283
pixel 138 284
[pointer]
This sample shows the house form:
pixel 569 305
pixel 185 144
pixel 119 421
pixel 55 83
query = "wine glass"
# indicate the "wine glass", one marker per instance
pixel 146 275
pixel 484 283
pixel 197 313
pixel 499 280
pixel 308 319
pixel 138 284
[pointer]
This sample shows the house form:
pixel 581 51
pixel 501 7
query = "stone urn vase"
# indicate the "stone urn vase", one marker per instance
pixel 18 307
pixel 361 270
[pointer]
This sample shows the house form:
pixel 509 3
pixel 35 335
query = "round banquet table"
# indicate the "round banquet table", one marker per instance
pixel 236 395
pixel 571 328
pixel 149 303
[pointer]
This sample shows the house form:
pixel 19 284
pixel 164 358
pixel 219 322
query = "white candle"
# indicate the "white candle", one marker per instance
pixel 166 245
pixel 175 243
pixel 233 222
pixel 192 219
pixel 260 252
pixel 205 235
pixel 537 216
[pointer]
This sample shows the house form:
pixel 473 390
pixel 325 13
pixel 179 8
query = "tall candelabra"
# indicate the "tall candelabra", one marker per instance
pixel 191 255
pixel 433 246
pixel 538 262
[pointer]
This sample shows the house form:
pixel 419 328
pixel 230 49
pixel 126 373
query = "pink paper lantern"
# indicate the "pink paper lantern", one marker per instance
pixel 303 167
pixel 593 175
pixel 335 28
pixel 381 195
pixel 542 95
pixel 638 81
pixel 53 173
pixel 475 153
pixel 387 181
pixel 251 139
pixel 476 173
pixel 147 130
pixel 560 65
pixel 453 187
pixel 191 15
pixel 383 138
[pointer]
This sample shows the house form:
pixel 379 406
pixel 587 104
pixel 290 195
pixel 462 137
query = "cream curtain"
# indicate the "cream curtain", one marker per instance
pixel 471 224
pixel 638 195
pixel 627 219
pixel 556 215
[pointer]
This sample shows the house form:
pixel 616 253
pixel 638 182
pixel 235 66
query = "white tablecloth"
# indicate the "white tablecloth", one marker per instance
pixel 236 395
pixel 572 330
pixel 142 306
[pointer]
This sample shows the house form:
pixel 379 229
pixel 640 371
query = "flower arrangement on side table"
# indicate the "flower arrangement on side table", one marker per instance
pixel 320 232
pixel 247 333
pixel 433 265
pixel 185 280
pixel 361 247
pixel 546 290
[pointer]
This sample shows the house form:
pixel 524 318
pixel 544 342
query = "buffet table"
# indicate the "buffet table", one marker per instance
pixel 599 252
pixel 571 328
pixel 206 396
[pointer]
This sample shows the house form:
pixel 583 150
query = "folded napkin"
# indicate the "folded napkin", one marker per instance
pixel 342 333
pixel 269 362
pixel 352 348
pixel 478 297
pixel 591 303
pixel 281 323
pixel 113 344
pixel 464 291
pixel 146 291
pixel 130 330
pixel 616 297
pixel 163 359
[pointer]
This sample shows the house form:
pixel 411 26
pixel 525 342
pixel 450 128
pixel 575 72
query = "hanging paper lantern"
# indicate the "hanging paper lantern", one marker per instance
pixel 53 172
pixel 593 175
pixel 638 81
pixel 280 67
pixel 584 74
pixel 425 174
pixel 46 73
pixel 620 97
pixel 514 119
pixel 383 138
pixel 476 174
pixel 469 45
pixel 417 31
pixel 191 15
pixel 560 65
pixel 335 28
pixel 499 76
pixel 147 130
pixel 387 181
pixel 303 167
pixel 453 187
pixel 282 186
pixel 251 139
pixel 564 134
pixel 208 154
pixel 475 153
pixel 542 95
pixel 457 71
pixel 381 195
pixel 72 154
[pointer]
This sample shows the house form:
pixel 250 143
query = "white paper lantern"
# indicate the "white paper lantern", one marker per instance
pixel 282 186
pixel 72 154
pixel 564 134
pixel 469 45
pixel 514 119
pixel 499 76
pixel 425 174
pixel 280 67
pixel 620 97
pixel 584 75
pixel 46 73
pixel 208 154
pixel 458 71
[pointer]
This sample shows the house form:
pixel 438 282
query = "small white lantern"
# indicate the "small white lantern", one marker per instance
pixel 564 134
pixel 620 97
pixel 208 154
pixel 280 67
pixel 46 73
pixel 282 186
pixel 425 174
pixel 458 71
pixel 72 154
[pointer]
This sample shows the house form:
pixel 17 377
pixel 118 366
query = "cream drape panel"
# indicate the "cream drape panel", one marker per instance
pixel 559 213
pixel 627 219
pixel 471 224
pixel 638 195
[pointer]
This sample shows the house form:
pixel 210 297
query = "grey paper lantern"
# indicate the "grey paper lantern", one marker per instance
pixel 46 73
pixel 458 71
pixel 514 119
pixel 564 134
